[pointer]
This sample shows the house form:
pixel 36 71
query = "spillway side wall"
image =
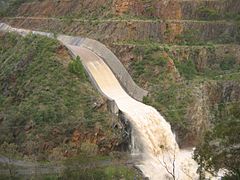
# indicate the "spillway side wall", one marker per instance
pixel 116 66
pixel 111 60
pixel 99 49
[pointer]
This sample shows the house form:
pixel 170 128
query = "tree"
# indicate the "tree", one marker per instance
pixel 169 163
pixel 220 149
pixel 77 68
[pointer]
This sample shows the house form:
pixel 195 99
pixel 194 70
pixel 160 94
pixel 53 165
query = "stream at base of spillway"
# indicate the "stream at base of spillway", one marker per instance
pixel 154 143
pixel 152 137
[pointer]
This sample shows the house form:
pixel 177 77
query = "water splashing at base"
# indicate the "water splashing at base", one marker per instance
pixel 156 146
pixel 152 138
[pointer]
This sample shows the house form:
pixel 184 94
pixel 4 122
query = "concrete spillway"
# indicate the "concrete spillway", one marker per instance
pixel 100 50
pixel 153 140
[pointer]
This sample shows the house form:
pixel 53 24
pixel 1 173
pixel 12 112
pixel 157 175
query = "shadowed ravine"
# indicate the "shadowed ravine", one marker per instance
pixel 152 138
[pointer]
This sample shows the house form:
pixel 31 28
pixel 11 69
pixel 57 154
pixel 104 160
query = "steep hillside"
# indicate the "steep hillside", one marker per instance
pixel 164 9
pixel 197 22
pixel 41 96
pixel 49 111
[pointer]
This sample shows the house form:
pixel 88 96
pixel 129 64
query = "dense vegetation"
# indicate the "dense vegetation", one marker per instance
pixel 44 98
pixel 178 87
pixel 9 7
pixel 41 100
pixel 220 148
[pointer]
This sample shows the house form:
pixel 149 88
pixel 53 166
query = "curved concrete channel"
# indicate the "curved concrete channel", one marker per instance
pixel 100 50
pixel 152 138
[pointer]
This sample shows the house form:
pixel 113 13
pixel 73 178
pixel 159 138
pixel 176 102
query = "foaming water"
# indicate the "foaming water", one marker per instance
pixel 153 140
pixel 155 143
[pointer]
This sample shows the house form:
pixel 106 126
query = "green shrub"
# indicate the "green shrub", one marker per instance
pixel 238 32
pixel 219 148
pixel 37 89
pixel 232 16
pixel 104 173
pixel 225 38
pixel 68 19
pixel 186 68
pixel 208 14
pixel 228 63
pixel 146 100
pixel 77 68
pixel 10 7
pixel 150 11
pixel 139 68
pixel 189 37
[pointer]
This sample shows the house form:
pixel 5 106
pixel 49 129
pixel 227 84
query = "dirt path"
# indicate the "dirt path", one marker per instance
pixel 118 20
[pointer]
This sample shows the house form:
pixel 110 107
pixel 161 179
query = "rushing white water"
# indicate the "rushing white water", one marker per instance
pixel 153 139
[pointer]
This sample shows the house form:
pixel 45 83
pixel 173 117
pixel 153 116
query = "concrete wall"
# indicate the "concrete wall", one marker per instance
pixel 99 49
pixel 116 66
pixel 111 60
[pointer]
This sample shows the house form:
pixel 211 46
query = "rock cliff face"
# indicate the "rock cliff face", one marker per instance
pixel 201 55
pixel 167 21
pixel 178 32
pixel 205 94
pixel 175 9
pixel 206 110
pixel 48 114
pixel 164 9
